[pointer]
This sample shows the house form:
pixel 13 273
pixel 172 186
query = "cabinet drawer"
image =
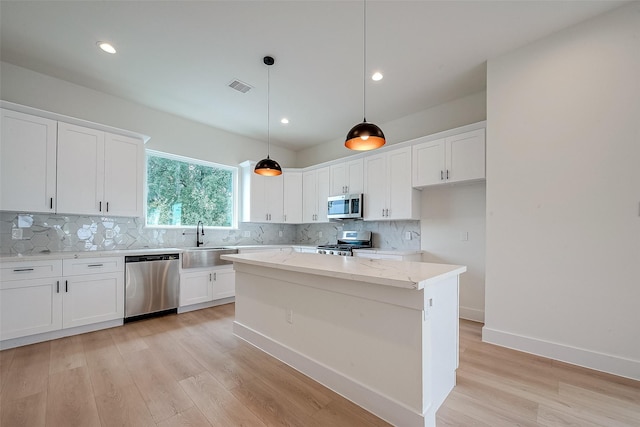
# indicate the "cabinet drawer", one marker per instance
pixel 21 270
pixel 75 267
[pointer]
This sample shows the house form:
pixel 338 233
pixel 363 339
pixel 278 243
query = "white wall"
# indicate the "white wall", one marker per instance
pixel 447 212
pixel 169 133
pixel 563 193
pixel 459 112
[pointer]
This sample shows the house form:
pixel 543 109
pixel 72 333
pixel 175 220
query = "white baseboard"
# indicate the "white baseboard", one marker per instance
pixel 576 356
pixel 200 306
pixel 382 406
pixel 471 314
pixel 60 333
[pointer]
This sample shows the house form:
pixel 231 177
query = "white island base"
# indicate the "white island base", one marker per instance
pixel 383 334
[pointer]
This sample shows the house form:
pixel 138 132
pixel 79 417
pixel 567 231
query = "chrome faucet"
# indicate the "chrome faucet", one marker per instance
pixel 199 232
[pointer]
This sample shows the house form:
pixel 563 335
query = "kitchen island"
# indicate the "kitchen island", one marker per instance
pixel 381 333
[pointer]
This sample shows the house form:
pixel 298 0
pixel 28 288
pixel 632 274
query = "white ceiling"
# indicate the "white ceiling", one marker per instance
pixel 179 56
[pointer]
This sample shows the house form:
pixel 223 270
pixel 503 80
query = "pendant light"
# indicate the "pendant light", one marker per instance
pixel 268 166
pixel 364 136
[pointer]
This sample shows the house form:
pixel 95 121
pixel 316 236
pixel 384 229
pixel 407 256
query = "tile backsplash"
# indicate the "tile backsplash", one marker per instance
pixel 24 233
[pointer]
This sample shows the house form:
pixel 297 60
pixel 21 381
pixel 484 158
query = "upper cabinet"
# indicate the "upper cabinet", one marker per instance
pixel 276 199
pixel 27 163
pixel 315 194
pixel 347 177
pixel 99 172
pixel 52 166
pixel 453 159
pixel 292 197
pixel 388 194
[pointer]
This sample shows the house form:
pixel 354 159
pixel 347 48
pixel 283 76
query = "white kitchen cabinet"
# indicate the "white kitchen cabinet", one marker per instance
pixel 196 287
pixel 456 158
pixel 99 172
pixel 224 283
pixel 30 298
pixel 27 162
pixel 347 177
pixel 93 290
pixel 46 296
pixel 314 195
pixel 262 196
pixel 388 191
pixel 292 197
pixel 206 284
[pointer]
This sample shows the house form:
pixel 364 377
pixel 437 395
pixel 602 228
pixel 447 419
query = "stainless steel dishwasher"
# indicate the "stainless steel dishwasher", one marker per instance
pixel 152 284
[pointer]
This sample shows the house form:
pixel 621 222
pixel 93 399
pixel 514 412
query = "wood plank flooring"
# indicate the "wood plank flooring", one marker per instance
pixel 189 370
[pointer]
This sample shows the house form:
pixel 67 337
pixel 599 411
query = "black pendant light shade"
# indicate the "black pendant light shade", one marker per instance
pixel 364 136
pixel 268 166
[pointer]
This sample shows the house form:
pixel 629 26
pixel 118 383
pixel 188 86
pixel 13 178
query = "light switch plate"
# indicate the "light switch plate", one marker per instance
pixel 407 235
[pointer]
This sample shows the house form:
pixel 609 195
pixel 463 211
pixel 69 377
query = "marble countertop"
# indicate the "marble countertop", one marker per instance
pixel 124 252
pixel 401 274
pixel 388 251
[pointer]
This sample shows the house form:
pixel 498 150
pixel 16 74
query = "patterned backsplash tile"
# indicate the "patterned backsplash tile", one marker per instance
pixel 24 233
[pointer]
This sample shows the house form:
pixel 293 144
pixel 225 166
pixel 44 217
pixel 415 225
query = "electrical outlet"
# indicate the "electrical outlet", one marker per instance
pixel 246 234
pixel 319 233
pixel 290 315
pixel 279 233
pixel 464 236
pixel 16 233
pixel 407 235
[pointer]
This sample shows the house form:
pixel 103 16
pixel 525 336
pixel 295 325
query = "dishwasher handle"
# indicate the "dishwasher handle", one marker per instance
pixel 146 258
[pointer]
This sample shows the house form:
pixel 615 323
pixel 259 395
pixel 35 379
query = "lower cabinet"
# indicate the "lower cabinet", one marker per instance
pixel 206 284
pixel 46 296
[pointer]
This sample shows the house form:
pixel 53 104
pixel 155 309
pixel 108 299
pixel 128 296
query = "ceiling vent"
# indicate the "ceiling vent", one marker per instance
pixel 240 86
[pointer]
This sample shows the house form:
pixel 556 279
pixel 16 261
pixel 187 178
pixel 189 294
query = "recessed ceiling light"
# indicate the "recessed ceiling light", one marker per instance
pixel 284 121
pixel 107 47
pixel 377 76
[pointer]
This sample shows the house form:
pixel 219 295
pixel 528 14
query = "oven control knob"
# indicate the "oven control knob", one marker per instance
pixel 330 252
pixel 321 251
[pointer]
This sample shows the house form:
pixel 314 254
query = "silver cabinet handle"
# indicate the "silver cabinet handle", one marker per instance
pixel 95 265
pixel 57 286
pixel 209 276
pixel 215 276
pixel 66 286
pixel 51 203
pixel 107 206
pixel 22 269
pixel 99 206
pixel 447 173
pixel 285 217
pixel 387 212
pixel 441 175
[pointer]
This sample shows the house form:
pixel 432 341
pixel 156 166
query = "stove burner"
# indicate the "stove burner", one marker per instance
pixel 350 240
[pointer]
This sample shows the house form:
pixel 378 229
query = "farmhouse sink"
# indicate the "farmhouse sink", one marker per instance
pixel 205 256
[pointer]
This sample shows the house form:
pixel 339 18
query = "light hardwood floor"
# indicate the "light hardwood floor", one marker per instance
pixel 189 370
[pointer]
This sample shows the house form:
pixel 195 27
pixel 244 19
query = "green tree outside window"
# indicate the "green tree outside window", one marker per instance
pixel 181 192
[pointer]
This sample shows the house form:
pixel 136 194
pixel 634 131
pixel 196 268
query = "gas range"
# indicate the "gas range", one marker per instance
pixel 349 240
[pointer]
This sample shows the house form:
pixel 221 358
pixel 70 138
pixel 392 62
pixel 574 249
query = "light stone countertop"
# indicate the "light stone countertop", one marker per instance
pixel 389 251
pixel 401 274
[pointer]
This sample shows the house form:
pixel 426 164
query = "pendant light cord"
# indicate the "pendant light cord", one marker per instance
pixel 268 111
pixel 364 62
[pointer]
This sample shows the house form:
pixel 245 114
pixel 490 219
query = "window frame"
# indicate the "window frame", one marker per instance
pixel 185 159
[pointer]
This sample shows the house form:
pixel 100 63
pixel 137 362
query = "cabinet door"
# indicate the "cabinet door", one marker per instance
pixel 355 176
pixel 338 179
pixel 29 307
pixel 123 175
pixel 323 189
pixel 375 187
pixel 292 197
pixel 274 197
pixel 80 170
pixel 92 298
pixel 309 196
pixel 401 203
pixel 428 163
pixel 196 287
pixel 224 283
pixel 466 156
pixel 27 163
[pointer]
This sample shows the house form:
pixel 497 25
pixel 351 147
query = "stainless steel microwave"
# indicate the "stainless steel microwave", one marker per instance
pixel 344 206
